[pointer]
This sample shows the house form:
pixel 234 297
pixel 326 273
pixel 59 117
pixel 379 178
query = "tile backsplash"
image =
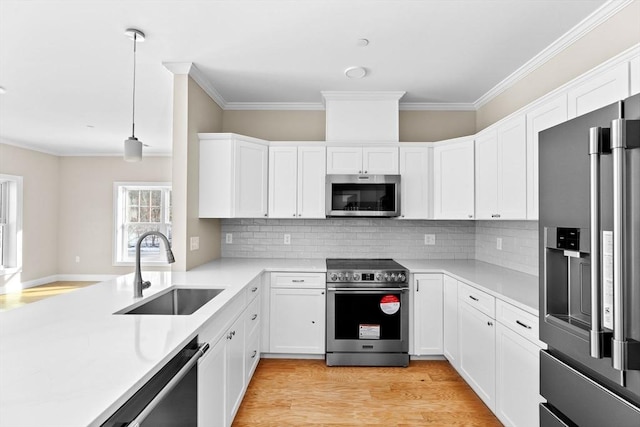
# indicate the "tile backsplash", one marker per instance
pixel 384 238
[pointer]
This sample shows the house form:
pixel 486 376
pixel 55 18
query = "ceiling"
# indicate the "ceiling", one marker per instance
pixel 66 65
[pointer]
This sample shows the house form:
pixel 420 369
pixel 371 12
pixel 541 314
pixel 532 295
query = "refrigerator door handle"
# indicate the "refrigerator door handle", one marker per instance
pixel 597 145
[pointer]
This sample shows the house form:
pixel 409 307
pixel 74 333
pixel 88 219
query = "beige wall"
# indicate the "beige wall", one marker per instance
pixel 276 125
pixel 620 32
pixel 86 223
pixel 39 211
pixel 193 112
pixel 415 126
pixel 428 126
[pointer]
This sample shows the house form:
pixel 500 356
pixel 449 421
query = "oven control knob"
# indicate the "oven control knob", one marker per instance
pixel 378 277
pixel 356 277
pixel 341 276
pixel 402 277
pixel 333 277
pixel 347 277
pixel 386 277
pixel 393 277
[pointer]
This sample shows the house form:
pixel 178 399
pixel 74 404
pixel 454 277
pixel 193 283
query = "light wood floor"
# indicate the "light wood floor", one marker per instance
pixel 37 293
pixel 308 393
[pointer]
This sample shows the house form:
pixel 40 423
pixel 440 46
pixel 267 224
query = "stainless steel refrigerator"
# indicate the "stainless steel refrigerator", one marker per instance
pixel 589 223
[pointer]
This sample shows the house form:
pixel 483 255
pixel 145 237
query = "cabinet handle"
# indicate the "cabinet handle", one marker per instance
pixel 313 321
pixel 417 286
pixel 254 317
pixel 359 171
pixel 230 336
pixel 254 289
pixel 298 280
pixel 365 171
pixel 470 216
pixel 474 298
pixel 294 214
pixel 495 216
pixel 524 325
pixel 265 214
pixel 255 353
pixel 490 323
pixel 322 293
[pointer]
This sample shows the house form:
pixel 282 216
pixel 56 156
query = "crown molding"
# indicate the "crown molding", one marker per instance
pixel 181 68
pixel 307 106
pixel 436 106
pixel 607 10
pixel 373 95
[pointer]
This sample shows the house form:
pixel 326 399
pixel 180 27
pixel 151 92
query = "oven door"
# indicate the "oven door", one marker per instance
pixel 363 195
pixel 367 320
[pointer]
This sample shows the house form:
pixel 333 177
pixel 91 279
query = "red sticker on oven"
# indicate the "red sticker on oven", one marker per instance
pixel 389 304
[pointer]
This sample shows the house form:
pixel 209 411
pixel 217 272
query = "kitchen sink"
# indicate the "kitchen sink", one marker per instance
pixel 178 301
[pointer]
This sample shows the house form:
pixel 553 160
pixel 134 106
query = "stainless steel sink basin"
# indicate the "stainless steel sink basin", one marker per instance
pixel 178 301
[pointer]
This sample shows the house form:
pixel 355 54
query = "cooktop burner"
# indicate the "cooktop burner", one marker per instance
pixel 365 271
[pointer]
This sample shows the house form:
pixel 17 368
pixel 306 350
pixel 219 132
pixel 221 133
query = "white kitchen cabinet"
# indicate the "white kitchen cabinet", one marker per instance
pixel 634 71
pixel 450 319
pixel 211 386
pixel 543 117
pixel 372 160
pixel 427 292
pixel 233 176
pixel 477 339
pixel 297 313
pixel 235 364
pixel 453 182
pixel 416 182
pixel 517 366
pixel 500 168
pixel 599 90
pixel 297 182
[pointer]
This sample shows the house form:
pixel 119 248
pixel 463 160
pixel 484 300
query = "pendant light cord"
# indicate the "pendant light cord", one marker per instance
pixel 133 114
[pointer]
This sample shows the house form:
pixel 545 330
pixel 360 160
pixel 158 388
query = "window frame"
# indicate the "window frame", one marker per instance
pixel 120 257
pixel 11 192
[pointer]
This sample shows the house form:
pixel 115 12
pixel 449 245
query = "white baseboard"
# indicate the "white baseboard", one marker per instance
pixel 57 278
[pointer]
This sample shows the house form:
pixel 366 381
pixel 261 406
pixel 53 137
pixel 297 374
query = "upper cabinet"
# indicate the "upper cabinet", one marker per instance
pixel 453 182
pixel 297 182
pixel 543 117
pixel 416 183
pixel 233 176
pixel 372 160
pixel 501 179
pixel 599 90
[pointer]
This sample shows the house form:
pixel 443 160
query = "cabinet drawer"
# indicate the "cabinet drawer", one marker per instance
pixel 253 316
pixel 252 354
pixel 477 299
pixel 254 288
pixel 518 320
pixel 214 329
pixel 298 280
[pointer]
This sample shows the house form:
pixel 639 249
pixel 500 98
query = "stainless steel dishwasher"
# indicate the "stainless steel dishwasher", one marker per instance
pixel 169 398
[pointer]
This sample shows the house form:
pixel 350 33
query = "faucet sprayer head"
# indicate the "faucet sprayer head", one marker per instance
pixel 170 258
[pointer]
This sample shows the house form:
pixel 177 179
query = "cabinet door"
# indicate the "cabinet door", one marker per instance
pixel 416 170
pixel 211 386
pixel 282 182
pixel 235 377
pixel 380 160
pixel 297 321
pixel 512 169
pixel 454 180
pixel 450 342
pixel 517 379
pixel 486 163
pixel 311 182
pixel 428 313
pixel 344 160
pixel 477 352
pixel 600 90
pixel 543 117
pixel 251 180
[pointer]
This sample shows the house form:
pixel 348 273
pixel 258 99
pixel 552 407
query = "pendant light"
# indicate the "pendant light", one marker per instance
pixel 132 146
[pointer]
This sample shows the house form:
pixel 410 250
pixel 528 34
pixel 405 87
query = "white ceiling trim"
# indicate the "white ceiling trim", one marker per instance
pixel 310 106
pixel 589 23
pixel 436 106
pixel 194 72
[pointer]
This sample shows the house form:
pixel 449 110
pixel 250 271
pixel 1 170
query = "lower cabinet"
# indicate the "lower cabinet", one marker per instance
pixel 427 293
pixel 235 362
pixel 211 389
pixel 477 347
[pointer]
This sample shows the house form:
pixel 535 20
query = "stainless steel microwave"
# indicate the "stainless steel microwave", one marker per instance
pixel 363 195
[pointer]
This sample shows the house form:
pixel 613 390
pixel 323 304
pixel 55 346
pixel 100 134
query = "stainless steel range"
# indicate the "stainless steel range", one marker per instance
pixel 367 313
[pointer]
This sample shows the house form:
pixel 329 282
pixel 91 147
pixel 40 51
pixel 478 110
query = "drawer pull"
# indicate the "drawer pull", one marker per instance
pixel 524 325
pixel 255 353
pixel 489 323
pixel 255 288
pixel 298 280
pixel 254 317
pixel 474 298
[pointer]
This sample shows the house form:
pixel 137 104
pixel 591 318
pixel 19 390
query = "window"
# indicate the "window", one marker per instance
pixel 10 223
pixel 141 207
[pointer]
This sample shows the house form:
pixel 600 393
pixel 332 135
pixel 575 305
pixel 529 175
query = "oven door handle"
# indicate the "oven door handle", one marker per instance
pixel 367 289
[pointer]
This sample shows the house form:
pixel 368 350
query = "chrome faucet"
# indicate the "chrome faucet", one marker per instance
pixel 138 283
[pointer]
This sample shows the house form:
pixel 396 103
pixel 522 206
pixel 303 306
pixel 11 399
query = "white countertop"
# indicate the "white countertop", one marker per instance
pixel 69 361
